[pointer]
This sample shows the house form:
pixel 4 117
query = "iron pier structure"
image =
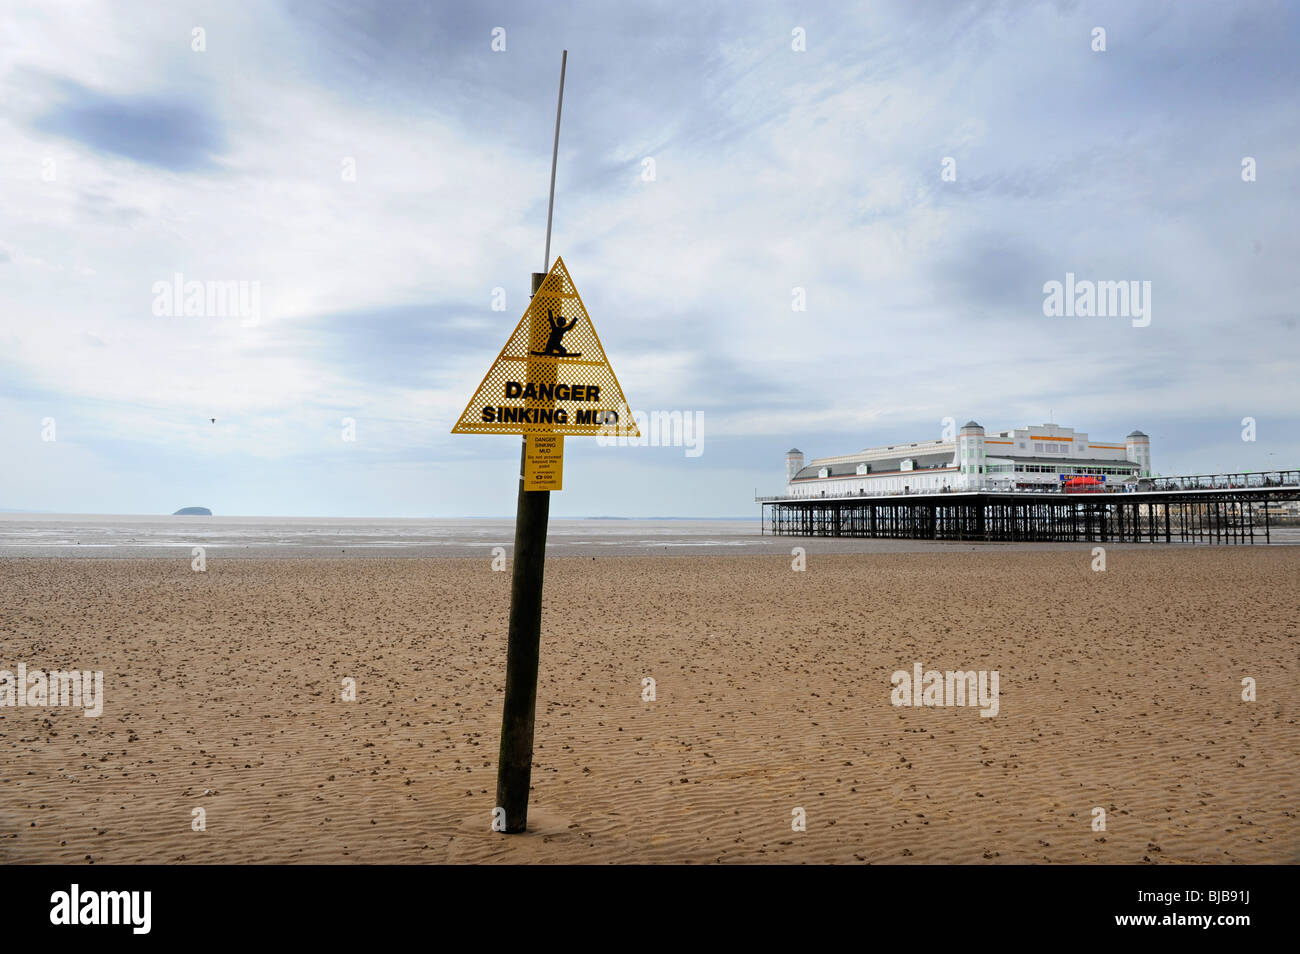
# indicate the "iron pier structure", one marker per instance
pixel 1211 508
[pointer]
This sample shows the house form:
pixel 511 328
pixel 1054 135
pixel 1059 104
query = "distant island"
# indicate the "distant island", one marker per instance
pixel 193 512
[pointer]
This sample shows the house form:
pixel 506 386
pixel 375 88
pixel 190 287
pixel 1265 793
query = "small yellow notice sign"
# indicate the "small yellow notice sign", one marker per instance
pixel 544 462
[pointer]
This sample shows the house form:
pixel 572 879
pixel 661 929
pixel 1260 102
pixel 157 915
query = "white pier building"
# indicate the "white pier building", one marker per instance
pixel 1041 457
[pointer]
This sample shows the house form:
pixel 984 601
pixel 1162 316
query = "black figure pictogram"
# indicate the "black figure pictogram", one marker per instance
pixel 558 328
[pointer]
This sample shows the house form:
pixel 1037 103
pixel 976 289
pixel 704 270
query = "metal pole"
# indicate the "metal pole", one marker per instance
pixel 555 151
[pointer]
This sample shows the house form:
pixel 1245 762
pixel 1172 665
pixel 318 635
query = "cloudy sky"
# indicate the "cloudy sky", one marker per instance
pixel 379 170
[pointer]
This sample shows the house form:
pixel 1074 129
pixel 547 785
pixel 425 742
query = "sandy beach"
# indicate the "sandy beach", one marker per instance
pixel 1118 689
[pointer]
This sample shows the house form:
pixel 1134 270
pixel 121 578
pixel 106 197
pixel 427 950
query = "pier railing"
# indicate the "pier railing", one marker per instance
pixel 1242 481
pixel 1246 480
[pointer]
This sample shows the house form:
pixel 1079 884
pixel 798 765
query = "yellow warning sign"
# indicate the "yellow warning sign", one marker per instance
pixel 544 462
pixel 553 376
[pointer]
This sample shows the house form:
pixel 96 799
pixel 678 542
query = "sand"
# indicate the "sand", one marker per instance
pixel 1118 689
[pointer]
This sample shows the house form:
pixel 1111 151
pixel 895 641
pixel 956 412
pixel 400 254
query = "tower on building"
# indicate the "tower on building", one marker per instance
pixel 970 454
pixel 793 463
pixel 1137 448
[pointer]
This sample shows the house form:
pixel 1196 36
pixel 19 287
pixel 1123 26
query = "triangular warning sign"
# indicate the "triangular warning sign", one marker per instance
pixel 552 377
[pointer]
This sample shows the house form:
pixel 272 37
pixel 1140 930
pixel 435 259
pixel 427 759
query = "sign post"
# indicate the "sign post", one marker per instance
pixel 552 378
pixel 523 644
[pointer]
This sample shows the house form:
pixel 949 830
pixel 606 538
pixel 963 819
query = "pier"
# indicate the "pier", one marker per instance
pixel 1209 508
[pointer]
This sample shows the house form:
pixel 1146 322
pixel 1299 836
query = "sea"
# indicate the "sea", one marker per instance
pixel 99 535
pixel 109 535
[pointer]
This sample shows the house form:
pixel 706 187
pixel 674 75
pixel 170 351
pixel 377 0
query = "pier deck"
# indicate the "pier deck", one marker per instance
pixel 1219 508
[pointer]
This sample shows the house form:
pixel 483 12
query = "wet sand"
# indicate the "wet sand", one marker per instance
pixel 1118 689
